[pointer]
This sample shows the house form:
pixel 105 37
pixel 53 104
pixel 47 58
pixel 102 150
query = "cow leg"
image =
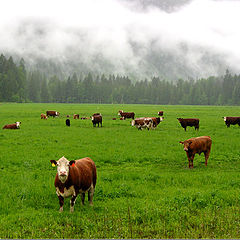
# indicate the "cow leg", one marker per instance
pixel 90 195
pixel 72 202
pixel 61 202
pixel 206 154
pixel 82 198
pixel 190 160
pixel 185 129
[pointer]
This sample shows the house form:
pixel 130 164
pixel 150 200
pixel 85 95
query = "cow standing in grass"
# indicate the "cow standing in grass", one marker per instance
pixel 231 121
pixel 96 119
pixel 52 113
pixel 191 122
pixel 75 177
pixel 197 145
pixel 126 115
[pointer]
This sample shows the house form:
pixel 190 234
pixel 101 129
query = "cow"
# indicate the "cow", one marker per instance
pixel 197 145
pixel 52 113
pixel 231 121
pixel 189 122
pixel 114 118
pixel 75 116
pixel 68 122
pixel 160 113
pixel 140 123
pixel 68 116
pixel 156 121
pixel 125 115
pixel 96 114
pixel 75 177
pixel 43 116
pixel 96 119
pixel 15 125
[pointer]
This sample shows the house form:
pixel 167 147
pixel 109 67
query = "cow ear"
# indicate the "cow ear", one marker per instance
pixel 181 142
pixel 54 162
pixel 72 163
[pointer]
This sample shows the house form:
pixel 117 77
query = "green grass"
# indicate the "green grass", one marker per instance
pixel 144 187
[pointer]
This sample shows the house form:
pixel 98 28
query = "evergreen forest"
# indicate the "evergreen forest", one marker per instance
pixel 17 84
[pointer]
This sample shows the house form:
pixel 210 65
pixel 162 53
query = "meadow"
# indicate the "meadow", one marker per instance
pixel 144 187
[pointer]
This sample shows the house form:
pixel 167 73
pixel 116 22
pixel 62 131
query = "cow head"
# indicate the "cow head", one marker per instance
pixel 18 124
pixel 119 112
pixel 186 144
pixel 63 166
pixel 225 119
pixel 179 119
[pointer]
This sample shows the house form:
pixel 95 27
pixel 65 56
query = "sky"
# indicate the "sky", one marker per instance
pixel 120 32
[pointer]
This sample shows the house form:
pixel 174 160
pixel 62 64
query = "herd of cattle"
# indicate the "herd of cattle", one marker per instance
pixel 79 176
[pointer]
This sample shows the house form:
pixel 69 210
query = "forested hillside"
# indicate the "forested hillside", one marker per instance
pixel 19 85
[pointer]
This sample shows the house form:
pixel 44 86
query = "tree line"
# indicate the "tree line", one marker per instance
pixel 19 85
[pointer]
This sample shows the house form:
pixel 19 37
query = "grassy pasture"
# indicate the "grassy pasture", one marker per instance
pixel 144 187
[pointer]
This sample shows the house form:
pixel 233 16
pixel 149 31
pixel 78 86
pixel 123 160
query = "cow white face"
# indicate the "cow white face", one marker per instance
pixel 18 124
pixel 161 119
pixel 225 119
pixel 63 166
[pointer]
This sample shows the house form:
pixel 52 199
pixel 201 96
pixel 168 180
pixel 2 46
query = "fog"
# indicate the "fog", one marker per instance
pixel 201 36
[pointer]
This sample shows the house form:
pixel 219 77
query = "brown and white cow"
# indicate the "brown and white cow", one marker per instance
pixel 191 122
pixel 197 145
pixel 140 123
pixel 52 113
pixel 75 116
pixel 156 121
pixel 96 119
pixel 75 177
pixel 15 125
pixel 125 115
pixel 160 113
pixel 43 116
pixel 231 121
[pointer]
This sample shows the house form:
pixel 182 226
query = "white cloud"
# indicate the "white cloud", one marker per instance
pixel 64 28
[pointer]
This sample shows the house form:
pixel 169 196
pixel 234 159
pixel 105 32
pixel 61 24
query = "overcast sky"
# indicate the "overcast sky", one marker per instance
pixel 62 28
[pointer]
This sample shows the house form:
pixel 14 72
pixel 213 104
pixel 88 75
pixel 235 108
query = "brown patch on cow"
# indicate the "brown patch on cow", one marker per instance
pixel 197 145
pixel 43 116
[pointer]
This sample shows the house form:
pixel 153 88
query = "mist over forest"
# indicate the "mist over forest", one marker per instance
pixel 169 39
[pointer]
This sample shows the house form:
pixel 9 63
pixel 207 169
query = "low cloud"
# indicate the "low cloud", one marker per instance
pixel 121 37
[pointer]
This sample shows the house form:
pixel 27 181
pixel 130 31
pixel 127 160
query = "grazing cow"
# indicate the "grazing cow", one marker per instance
pixel 43 116
pixel 160 113
pixel 156 121
pixel 68 122
pixel 73 178
pixel 197 145
pixel 114 118
pixel 75 116
pixel 52 113
pixel 140 123
pixel 191 122
pixel 125 115
pixel 231 121
pixel 15 125
pixel 96 119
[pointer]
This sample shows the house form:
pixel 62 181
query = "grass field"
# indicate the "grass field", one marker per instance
pixel 144 187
